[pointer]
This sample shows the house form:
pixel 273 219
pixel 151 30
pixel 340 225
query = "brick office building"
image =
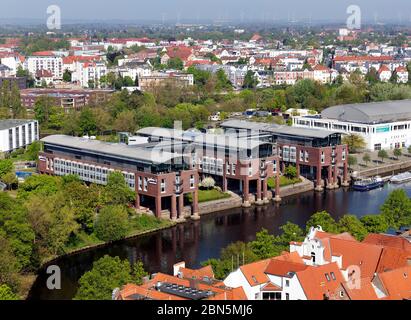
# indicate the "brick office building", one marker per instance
pixel 318 154
pixel 161 180
pixel 238 164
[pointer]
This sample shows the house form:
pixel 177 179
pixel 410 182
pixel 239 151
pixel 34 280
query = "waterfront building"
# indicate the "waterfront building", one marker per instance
pixel 318 154
pixel 238 164
pixel 329 266
pixel 383 125
pixel 160 179
pixel 184 284
pixel 15 134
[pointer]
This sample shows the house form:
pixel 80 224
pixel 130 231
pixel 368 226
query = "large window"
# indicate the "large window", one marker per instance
pixel 271 295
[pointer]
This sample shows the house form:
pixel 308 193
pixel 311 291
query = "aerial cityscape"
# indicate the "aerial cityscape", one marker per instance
pixel 227 151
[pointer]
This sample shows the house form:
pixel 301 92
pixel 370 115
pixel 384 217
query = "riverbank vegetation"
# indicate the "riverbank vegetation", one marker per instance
pixel 107 274
pixel 395 213
pixel 51 216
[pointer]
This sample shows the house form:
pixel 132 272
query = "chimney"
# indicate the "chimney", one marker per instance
pixel 177 266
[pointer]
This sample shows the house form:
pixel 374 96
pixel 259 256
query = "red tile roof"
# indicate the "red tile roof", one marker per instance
pixel 315 283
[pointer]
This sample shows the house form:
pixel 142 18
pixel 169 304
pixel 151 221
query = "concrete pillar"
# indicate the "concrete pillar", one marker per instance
pixel 137 201
pixel 345 182
pixel 330 184
pixel 336 177
pixel 173 207
pixel 196 211
pixel 319 186
pixel 259 200
pixel 265 191
pixel 181 207
pixel 246 193
pixel 277 197
pixel 225 186
pixel 158 206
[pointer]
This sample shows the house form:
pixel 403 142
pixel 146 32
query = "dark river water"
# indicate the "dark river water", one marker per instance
pixel 198 241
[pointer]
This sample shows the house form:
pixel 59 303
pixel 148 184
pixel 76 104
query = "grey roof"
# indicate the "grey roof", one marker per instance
pixel 11 123
pixel 370 113
pixel 277 129
pixel 201 138
pixel 112 149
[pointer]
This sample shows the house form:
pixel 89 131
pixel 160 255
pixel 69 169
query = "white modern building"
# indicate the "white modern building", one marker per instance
pixel 383 125
pixel 16 134
pixel 49 62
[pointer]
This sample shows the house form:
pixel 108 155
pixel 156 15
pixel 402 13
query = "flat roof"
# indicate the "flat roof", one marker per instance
pixel 11 123
pixel 112 149
pixel 202 138
pixel 277 129
pixel 370 113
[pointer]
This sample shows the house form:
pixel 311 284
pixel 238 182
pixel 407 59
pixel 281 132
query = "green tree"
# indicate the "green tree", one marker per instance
pixel 62 225
pixel 6 166
pixel 107 274
pixel 112 223
pixel 324 220
pixel 375 223
pixel 397 152
pixel 382 154
pixel 117 192
pixel 17 109
pixel 250 81
pixel 138 273
pixel 354 142
pixel 42 108
pixel 263 245
pixel 7 294
pixel 8 263
pixel 32 152
pixel 87 122
pixel 352 225
pixel 366 158
pixel 290 172
pixel 397 209
pixel 67 76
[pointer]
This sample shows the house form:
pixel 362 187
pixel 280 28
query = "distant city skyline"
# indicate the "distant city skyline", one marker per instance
pixel 228 10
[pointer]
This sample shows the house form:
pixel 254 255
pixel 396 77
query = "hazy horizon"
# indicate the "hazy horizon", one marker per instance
pixel 398 11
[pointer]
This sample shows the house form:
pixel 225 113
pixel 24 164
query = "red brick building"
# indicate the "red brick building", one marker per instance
pixel 161 180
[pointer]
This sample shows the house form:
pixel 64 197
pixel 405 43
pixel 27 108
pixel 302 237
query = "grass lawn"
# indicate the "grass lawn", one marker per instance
pixel 284 181
pixel 209 195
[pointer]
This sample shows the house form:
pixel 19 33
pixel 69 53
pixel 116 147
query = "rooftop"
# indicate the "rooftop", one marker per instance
pixel 111 149
pixel 11 123
pixel 277 129
pixel 370 113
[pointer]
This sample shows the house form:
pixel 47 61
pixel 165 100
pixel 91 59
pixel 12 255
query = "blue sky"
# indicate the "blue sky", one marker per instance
pixel 240 10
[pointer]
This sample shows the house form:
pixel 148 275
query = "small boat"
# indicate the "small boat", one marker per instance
pixel 401 178
pixel 368 184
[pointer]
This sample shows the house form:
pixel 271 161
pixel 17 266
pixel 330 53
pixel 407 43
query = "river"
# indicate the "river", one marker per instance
pixel 194 242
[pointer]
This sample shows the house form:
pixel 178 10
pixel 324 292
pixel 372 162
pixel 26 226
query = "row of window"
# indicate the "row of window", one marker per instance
pixel 24 140
pixel 86 172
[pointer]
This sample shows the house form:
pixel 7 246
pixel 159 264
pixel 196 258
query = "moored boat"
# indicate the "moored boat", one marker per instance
pixel 368 184
pixel 401 178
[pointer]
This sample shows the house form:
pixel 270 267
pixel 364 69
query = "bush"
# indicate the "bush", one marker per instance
pixel 112 223
pixel 208 183
pixel 290 172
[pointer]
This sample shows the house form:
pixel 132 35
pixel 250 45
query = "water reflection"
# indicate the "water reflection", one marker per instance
pixel 198 241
